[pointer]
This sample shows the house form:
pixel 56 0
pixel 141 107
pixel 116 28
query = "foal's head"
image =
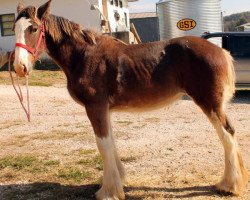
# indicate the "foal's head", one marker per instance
pixel 28 29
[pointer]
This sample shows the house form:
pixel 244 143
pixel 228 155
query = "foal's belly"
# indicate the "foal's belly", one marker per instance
pixel 128 100
pixel 143 103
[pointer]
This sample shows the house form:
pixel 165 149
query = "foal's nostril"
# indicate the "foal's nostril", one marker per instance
pixel 21 69
pixel 25 69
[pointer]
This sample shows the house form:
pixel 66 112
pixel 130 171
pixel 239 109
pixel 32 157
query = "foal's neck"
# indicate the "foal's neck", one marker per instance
pixel 65 43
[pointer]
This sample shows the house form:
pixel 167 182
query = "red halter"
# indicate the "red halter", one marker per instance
pixel 31 50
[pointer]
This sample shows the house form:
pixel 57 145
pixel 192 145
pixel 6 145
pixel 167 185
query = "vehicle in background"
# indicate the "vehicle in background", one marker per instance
pixel 238 44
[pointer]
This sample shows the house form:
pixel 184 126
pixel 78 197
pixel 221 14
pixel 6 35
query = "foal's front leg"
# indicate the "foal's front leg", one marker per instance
pixel 113 170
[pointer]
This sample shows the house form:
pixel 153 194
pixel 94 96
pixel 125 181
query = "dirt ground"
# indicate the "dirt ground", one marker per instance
pixel 171 153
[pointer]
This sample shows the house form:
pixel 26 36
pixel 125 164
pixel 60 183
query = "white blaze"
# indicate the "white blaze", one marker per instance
pixel 21 54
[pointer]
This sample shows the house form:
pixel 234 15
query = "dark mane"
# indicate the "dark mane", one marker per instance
pixel 63 27
pixel 59 27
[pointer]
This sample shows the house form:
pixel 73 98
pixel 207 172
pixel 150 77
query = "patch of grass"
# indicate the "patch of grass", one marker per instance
pixel 152 119
pixel 39 83
pixel 142 125
pixel 35 168
pixel 98 162
pixel 128 159
pixel 125 123
pixel 80 125
pixel 21 136
pixel 85 162
pixel 18 162
pixel 60 134
pixel 38 78
pixel 55 135
pixel 9 124
pixel 8 176
pixel 74 174
pixel 64 125
pixel 87 151
pixel 52 162
pixel 95 162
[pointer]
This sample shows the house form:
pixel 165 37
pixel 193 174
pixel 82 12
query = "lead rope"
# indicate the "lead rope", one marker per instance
pixel 19 88
pixel 19 94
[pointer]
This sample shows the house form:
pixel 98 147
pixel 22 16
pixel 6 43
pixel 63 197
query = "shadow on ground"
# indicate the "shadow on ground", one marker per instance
pixel 56 191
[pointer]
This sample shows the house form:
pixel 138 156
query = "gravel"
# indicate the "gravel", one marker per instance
pixel 176 151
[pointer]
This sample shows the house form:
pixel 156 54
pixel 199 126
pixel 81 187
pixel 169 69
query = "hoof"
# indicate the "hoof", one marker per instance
pixel 106 195
pixel 225 189
pixel 235 187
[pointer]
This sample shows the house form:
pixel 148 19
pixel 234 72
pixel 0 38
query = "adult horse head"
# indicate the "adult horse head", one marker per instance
pixel 29 30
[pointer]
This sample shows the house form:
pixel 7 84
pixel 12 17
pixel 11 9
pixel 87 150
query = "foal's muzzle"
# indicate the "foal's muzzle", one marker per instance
pixel 21 69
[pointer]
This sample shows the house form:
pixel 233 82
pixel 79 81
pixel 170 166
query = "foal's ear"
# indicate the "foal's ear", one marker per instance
pixel 20 7
pixel 43 11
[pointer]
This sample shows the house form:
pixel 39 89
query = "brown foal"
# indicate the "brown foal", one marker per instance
pixel 104 74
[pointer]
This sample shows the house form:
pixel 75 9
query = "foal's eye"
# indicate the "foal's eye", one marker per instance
pixel 33 29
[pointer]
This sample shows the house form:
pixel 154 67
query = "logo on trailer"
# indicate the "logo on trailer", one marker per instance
pixel 186 24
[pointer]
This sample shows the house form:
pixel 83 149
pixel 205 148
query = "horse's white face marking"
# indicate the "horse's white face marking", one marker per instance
pixel 22 55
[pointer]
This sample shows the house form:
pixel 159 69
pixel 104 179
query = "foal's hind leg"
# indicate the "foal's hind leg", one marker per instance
pixel 113 171
pixel 235 175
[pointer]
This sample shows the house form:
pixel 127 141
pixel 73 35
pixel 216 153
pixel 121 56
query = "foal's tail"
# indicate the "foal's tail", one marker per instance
pixel 229 89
